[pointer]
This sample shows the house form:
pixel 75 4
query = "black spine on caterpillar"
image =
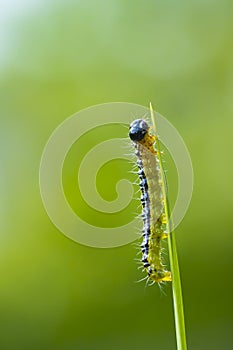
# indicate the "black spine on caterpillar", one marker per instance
pixel 152 207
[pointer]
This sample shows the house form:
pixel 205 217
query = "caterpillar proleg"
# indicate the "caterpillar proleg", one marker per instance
pixel 154 228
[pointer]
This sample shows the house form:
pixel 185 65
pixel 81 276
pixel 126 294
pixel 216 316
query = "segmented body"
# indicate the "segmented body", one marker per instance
pixel 151 199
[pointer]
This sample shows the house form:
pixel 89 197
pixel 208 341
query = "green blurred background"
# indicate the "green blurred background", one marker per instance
pixel 58 57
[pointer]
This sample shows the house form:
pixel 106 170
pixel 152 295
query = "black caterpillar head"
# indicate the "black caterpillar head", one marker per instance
pixel 137 130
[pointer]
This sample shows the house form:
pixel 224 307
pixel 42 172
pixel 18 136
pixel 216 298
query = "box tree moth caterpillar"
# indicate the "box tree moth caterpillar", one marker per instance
pixel 154 228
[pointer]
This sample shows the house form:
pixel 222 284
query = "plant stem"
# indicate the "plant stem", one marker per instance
pixel 176 283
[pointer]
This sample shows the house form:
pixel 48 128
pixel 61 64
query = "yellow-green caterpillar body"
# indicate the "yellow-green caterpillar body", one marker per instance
pixel 152 201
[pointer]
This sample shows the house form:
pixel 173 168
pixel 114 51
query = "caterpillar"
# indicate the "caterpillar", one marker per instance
pixel 151 199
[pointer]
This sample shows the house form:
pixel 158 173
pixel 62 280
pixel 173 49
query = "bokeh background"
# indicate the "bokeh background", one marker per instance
pixel 58 57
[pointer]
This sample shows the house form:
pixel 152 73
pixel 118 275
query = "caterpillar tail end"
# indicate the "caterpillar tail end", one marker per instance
pixel 167 277
pixel 164 276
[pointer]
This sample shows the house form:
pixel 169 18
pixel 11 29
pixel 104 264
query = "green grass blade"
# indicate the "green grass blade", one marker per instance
pixel 176 283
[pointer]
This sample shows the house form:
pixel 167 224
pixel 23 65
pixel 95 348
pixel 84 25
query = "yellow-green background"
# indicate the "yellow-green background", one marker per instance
pixel 58 57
